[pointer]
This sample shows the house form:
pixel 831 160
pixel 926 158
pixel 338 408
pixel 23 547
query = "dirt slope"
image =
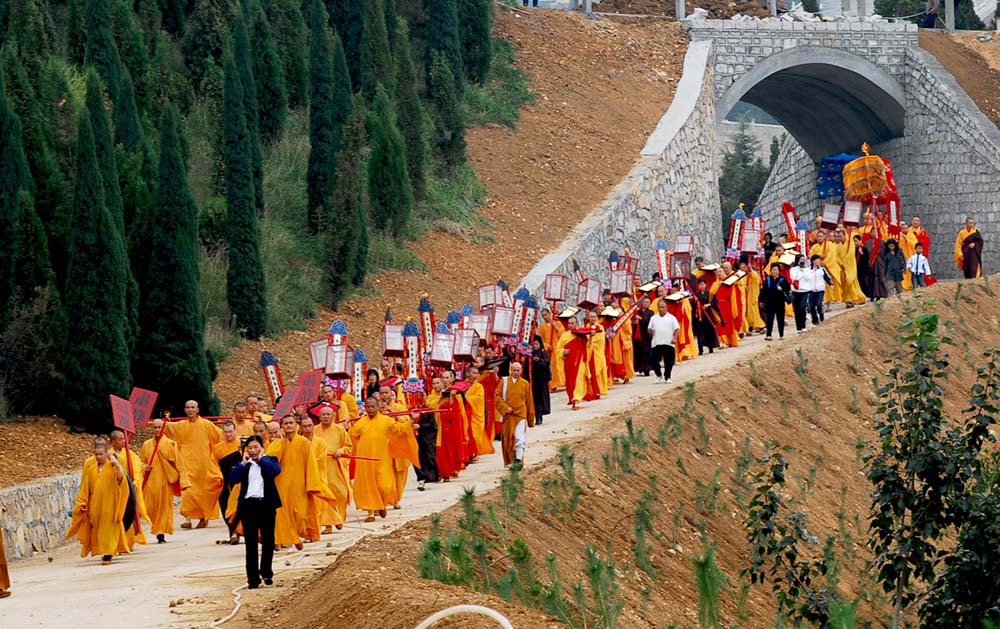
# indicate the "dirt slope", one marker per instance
pixel 974 64
pixel 376 584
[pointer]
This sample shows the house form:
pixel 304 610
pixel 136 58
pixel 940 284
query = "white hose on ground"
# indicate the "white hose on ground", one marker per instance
pixel 236 608
pixel 466 609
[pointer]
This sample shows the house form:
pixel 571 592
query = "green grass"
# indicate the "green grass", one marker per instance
pixel 505 91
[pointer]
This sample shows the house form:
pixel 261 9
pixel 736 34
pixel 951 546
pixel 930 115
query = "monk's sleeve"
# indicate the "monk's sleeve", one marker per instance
pixel 958 248
pixel 346 446
pixel 499 402
pixel 531 405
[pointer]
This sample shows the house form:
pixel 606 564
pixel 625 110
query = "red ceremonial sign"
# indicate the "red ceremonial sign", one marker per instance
pixel 309 382
pixel 142 401
pixel 286 404
pixel 305 395
pixel 121 410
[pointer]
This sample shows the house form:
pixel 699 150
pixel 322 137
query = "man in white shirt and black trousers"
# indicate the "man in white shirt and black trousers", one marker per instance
pixel 259 500
pixel 663 328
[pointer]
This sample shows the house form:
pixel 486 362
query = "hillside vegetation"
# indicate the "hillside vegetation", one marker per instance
pixel 648 522
pixel 179 176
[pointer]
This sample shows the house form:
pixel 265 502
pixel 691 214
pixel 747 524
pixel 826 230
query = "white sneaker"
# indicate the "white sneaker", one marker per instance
pixel 669 381
pixel 659 379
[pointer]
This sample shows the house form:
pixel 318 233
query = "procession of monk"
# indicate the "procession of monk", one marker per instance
pixel 339 450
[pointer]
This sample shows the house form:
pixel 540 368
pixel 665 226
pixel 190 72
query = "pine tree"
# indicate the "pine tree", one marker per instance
pixel 410 109
pixel 449 121
pixel 27 27
pixel 361 257
pixel 245 288
pixel 242 56
pixel 173 16
pixel 30 253
pixel 205 36
pixel 131 49
pixel 347 19
pixel 389 192
pixel 76 31
pixel 15 177
pixel 346 215
pixel 102 52
pixel 743 175
pixel 322 133
pixel 291 37
pixel 171 357
pixel 442 36
pixel 96 356
pixel 269 75
pixel 376 58
pixel 475 25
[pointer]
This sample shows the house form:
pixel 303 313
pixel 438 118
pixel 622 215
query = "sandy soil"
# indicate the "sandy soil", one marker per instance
pixel 717 9
pixel 975 65
pixel 37 447
pixel 193 570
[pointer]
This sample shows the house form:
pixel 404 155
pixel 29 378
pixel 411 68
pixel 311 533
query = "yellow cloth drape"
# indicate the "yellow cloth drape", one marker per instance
pixel 298 483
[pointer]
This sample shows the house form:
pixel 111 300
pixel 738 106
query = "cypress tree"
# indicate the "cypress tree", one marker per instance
pixel 131 49
pixel 449 121
pixel 245 289
pixel 376 58
pixel 347 19
pixel 442 36
pixel 171 356
pixel 344 217
pixel 173 16
pixel 102 53
pixel 128 127
pixel 76 31
pixel 361 257
pixel 205 33
pixel 475 25
pixel 15 177
pixel 389 192
pixel 30 253
pixel 291 37
pixel 27 28
pixel 410 109
pixel 322 135
pixel 96 355
pixel 272 101
pixel 251 110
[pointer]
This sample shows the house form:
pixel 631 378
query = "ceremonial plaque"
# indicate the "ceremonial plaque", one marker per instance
pixel 121 412
pixel 339 361
pixel 443 349
pixel 588 293
pixel 621 282
pixel 142 401
pixel 392 340
pixel 503 321
pixel 466 344
pixel 317 352
pixel 852 213
pixel 556 286
pixel 831 215
pixel 733 278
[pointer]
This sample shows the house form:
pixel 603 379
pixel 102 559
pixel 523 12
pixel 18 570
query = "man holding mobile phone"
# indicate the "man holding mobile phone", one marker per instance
pixel 256 508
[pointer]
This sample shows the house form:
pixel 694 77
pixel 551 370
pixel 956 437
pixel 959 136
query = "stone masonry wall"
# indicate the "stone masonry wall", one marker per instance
pixel 738 45
pixel 35 517
pixel 673 188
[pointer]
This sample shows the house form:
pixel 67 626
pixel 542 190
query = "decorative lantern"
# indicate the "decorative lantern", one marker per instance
pixel 503 321
pixel 317 353
pixel 831 215
pixel 392 340
pixel 466 311
pixel 443 349
pixel 894 223
pixel 339 361
pixel 530 314
pixel 588 293
pixel 621 282
pixel 556 287
pixel 852 213
pixel 663 265
pixel 466 345
pixel 413 355
pixel 454 320
pixel 750 241
pixel 520 296
pixel 337 333
pixel 757 220
pixel 505 297
pixel 489 296
pixel 481 324
pixel 736 227
pixel 426 311
pixel 802 234
pixel 360 374
pixel 272 375
pixel 684 245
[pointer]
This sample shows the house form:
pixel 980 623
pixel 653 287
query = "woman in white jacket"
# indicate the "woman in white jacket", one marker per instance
pixel 801 287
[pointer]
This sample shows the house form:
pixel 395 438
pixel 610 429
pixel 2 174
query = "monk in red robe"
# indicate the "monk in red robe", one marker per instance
pixel 451 450
pixel 571 356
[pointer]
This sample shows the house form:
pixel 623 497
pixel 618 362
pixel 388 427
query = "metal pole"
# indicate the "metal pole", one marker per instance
pixel 772 7
pixel 586 7
pixel 679 9
pixel 949 15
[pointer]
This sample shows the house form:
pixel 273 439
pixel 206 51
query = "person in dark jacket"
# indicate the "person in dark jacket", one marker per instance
pixel 541 373
pixel 895 264
pixel 258 502
pixel 642 345
pixel 773 290
pixel 864 269
pixel 705 314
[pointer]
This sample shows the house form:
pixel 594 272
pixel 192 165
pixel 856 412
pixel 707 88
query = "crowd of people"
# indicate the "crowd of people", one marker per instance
pixel 281 482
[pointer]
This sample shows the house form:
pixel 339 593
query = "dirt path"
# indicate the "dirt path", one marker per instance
pixel 193 569
pixel 975 65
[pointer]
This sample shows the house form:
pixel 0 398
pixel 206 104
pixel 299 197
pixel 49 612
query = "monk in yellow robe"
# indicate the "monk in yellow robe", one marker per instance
pixel 475 398
pixel 273 433
pixel 751 284
pixel 243 421
pixel 374 481
pixel 260 429
pixel 597 355
pixel 969 251
pixel 514 403
pixel 162 482
pixel 99 510
pixel 299 479
pixel 133 469
pixel 571 359
pixel 340 397
pixel 401 467
pixel 316 506
pixel 201 481
pixel 829 253
pixel 550 329
pixel 338 446
pixel 227 455
pixel 679 305
pixel 851 292
pixel 623 351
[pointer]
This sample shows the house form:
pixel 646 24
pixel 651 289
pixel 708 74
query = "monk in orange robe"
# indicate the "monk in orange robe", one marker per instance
pixel 243 420
pixel 730 311
pixel 338 446
pixel 551 329
pixel 597 359
pixel 679 305
pixel 571 357
pixel 392 402
pixel 132 466
pixel 490 379
pixel 475 400
pixel 100 507
pixel 317 507
pixel 162 482
pixel 227 455
pixel 201 481
pixel 374 481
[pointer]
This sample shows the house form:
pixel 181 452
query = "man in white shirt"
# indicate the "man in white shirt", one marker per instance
pixel 663 328
pixel 258 502
pixel 919 267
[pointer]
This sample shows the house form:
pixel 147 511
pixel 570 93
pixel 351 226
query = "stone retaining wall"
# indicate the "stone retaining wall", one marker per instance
pixel 36 515
pixel 673 188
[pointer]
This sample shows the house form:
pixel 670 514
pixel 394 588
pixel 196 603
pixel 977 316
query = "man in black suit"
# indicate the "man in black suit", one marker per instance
pixel 258 502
